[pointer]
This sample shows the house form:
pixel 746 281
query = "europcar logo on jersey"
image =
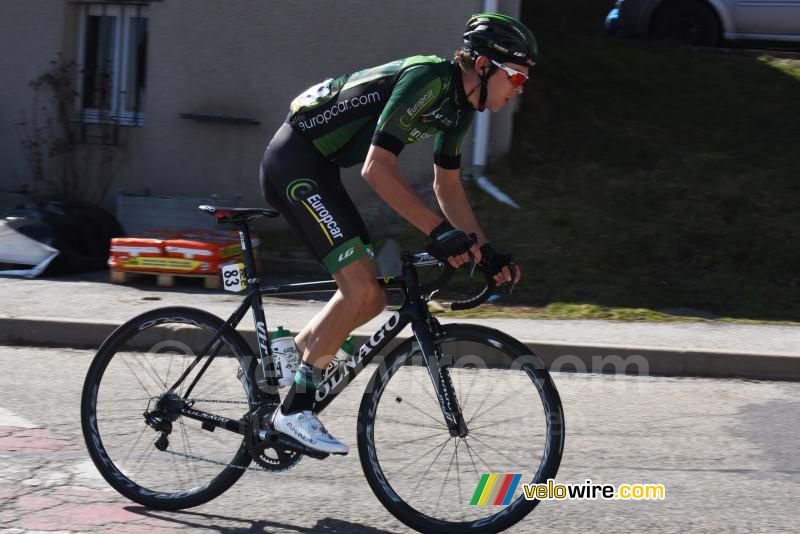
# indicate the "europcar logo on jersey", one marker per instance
pixel 419 104
pixel 405 120
pixel 307 121
pixel 297 189
pixel 495 489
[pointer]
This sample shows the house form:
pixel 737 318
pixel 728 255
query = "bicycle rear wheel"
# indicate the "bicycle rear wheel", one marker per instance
pixel 431 480
pixel 128 379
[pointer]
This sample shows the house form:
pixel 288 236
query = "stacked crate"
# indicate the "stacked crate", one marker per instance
pixel 168 253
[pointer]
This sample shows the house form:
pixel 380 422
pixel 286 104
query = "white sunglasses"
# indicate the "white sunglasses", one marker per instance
pixel 517 78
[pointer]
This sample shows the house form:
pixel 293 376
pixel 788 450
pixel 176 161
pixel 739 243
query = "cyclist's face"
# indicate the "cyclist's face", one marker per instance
pixel 501 88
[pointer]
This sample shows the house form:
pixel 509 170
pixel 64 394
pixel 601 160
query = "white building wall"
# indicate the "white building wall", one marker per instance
pixel 245 58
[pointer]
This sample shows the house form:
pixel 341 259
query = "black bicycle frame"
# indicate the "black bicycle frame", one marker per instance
pixel 414 311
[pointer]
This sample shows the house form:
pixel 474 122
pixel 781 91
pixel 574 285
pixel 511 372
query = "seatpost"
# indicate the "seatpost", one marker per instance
pixel 247 254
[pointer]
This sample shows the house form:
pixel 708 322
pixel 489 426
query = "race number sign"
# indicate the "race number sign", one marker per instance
pixel 233 278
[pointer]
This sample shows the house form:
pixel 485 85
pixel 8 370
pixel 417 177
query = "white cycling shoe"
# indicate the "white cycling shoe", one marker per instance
pixel 306 428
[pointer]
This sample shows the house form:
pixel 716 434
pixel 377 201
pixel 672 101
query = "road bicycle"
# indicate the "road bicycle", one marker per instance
pixel 176 404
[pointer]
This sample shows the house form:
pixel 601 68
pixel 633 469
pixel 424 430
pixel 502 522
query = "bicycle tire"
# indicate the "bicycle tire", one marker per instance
pixel 175 331
pixel 391 482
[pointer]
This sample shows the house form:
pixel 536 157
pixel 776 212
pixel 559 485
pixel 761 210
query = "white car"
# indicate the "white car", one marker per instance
pixel 707 22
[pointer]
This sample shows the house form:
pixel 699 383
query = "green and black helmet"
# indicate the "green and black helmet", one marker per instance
pixel 500 37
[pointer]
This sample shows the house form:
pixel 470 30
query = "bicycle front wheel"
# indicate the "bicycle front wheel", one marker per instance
pixel 435 482
pixel 133 429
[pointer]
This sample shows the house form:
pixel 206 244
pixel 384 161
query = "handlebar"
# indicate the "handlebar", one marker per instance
pixel 427 260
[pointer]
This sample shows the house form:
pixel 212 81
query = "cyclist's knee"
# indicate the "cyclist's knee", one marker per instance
pixel 366 298
pixel 374 299
pixel 359 287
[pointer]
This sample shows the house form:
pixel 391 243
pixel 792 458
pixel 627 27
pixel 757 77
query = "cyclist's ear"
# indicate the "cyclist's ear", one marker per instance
pixel 481 64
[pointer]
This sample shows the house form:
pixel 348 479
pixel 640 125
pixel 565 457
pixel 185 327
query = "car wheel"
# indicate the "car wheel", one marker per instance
pixel 688 21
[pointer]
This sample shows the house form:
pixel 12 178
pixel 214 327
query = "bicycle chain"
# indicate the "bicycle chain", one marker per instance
pixel 217 462
pixel 212 401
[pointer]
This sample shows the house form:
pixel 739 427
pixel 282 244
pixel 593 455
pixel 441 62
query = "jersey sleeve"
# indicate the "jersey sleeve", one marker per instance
pixel 415 90
pixel 447 146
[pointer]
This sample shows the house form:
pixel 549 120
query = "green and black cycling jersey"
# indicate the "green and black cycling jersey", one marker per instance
pixel 389 106
pixel 333 124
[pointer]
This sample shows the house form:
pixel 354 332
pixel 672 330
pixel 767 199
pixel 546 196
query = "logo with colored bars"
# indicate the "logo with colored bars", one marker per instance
pixel 495 489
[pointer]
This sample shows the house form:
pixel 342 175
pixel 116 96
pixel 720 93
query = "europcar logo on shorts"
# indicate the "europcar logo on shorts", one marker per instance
pixel 495 489
pixel 297 188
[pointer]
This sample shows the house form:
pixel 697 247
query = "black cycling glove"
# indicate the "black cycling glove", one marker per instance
pixel 447 241
pixel 496 261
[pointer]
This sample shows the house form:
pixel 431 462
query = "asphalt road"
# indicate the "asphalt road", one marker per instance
pixel 725 450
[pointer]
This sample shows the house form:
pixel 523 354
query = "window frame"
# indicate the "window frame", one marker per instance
pixel 124 13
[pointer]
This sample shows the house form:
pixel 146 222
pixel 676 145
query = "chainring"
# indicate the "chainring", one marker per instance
pixel 269 458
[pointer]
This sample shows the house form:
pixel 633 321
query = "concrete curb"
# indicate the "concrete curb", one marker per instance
pixel 572 357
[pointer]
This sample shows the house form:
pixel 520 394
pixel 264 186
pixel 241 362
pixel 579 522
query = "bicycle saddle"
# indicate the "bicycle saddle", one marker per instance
pixel 237 215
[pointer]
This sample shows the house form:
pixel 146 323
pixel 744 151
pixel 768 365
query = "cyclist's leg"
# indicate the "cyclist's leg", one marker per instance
pixel 307 190
pixel 358 300
pixel 357 287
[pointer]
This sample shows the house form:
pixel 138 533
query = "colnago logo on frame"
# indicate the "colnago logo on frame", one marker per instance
pixel 495 489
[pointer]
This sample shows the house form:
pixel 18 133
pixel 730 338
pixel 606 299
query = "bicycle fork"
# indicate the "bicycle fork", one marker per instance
pixel 442 383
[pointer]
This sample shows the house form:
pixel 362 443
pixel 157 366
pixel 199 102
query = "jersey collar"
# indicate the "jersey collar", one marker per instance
pixel 459 96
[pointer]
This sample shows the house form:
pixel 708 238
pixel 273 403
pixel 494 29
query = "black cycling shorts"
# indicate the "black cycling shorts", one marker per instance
pixel 307 190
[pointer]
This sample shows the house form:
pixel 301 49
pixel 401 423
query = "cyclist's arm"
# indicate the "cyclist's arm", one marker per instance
pixel 456 207
pixel 453 201
pixel 381 172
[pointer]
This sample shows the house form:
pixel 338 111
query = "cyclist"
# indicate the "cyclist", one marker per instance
pixel 369 116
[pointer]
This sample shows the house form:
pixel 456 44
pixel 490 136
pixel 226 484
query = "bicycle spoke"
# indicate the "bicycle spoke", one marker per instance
pixel 155 372
pixel 406 442
pixel 147 368
pixel 458 477
pixel 402 468
pixel 489 469
pixel 446 476
pixel 415 425
pixel 471 458
pixel 487 424
pixel 169 368
pixel 494 450
pixel 484 434
pixel 149 395
pixel 411 405
pixel 444 445
pixel 144 460
pixel 191 466
pixel 503 398
pixel 133 447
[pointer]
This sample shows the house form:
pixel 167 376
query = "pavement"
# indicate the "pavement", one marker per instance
pixel 80 311
pixel 713 444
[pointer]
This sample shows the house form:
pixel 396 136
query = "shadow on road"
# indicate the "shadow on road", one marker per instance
pixel 228 524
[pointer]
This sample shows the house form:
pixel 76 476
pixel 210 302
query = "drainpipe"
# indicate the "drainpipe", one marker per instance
pixel 481 142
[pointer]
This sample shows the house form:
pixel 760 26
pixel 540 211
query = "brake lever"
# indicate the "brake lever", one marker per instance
pixel 474 238
pixel 513 269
